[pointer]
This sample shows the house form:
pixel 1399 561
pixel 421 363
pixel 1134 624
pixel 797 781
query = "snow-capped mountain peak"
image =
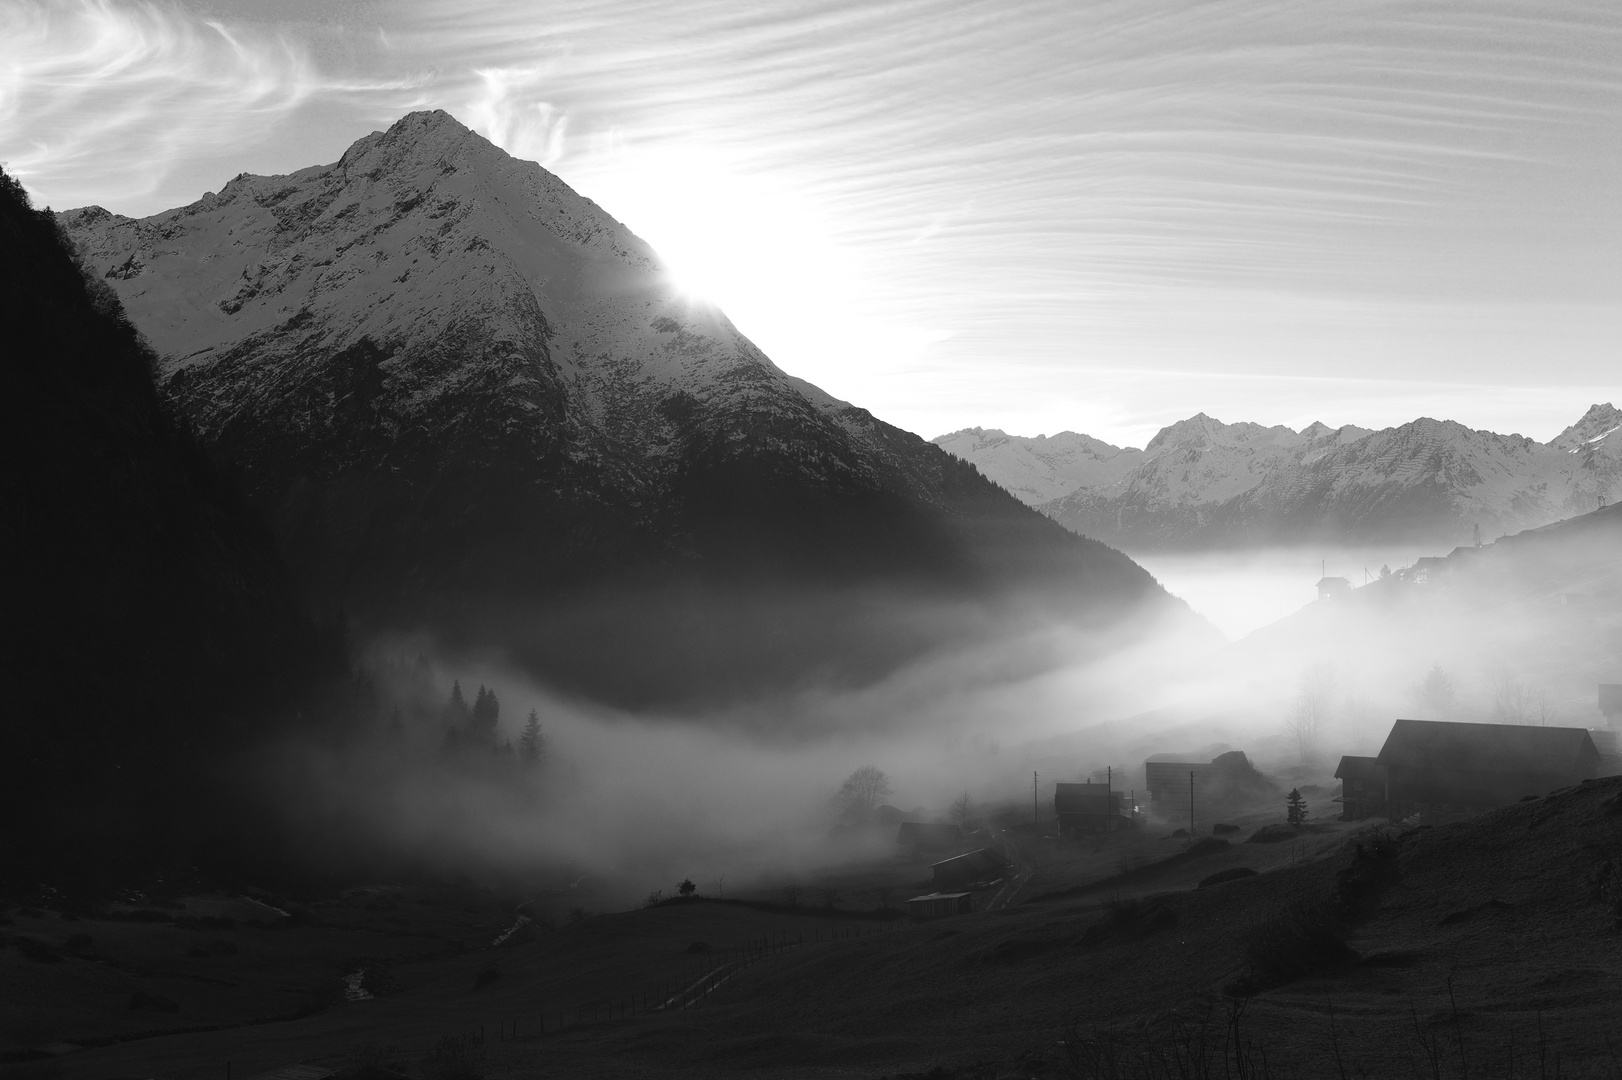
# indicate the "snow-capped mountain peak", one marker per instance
pixel 455 385
pixel 1202 482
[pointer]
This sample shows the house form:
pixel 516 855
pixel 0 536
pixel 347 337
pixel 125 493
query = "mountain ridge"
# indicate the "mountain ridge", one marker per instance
pixel 1201 483
pixel 461 390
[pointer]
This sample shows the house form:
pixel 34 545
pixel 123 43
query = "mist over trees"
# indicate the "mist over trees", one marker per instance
pixel 1311 710
pixel 861 794
pixel 1436 695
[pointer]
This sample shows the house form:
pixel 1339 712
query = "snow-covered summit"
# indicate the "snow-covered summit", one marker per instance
pixel 447 374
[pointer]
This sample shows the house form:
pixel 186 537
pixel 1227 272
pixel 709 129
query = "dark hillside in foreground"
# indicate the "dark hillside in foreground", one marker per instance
pixel 471 401
pixel 147 619
pixel 1480 948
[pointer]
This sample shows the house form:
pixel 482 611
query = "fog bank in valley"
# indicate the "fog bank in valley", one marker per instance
pixel 739 799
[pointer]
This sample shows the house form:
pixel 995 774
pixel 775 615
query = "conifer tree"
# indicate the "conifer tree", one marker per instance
pixel 1295 808
pixel 532 744
pixel 486 711
pixel 455 711
pixel 454 717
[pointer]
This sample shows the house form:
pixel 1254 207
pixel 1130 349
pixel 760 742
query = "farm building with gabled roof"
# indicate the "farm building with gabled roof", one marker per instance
pixel 1226 780
pixel 1362 787
pixel 938 905
pixel 1439 763
pixel 1090 808
pixel 984 864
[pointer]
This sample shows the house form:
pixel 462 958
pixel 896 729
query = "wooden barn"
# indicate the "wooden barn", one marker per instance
pixel 938 905
pixel 1226 780
pixel 921 838
pixel 985 864
pixel 1362 783
pixel 1090 808
pixel 1168 781
pixel 1437 764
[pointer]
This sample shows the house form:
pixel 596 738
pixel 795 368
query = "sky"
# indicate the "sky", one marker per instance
pixel 1036 216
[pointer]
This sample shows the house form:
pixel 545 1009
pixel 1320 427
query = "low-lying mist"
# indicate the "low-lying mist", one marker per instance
pixel 632 801
pixel 739 799
pixel 1242 591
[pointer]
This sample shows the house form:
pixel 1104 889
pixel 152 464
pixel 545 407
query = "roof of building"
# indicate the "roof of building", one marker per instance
pixel 979 859
pixel 1085 798
pixel 938 896
pixel 1359 768
pixel 1323 581
pixel 1495 748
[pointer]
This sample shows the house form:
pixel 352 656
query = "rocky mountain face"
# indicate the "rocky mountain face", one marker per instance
pixel 470 400
pixel 1201 483
pixel 150 626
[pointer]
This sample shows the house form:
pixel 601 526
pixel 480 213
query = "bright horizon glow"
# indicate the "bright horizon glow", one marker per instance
pixel 1101 218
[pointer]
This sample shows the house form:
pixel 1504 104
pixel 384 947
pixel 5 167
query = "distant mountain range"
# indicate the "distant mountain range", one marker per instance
pixel 469 400
pixel 1201 483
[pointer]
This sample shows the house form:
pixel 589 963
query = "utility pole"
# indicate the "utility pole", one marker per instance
pixel 1191 806
pixel 1036 815
pixel 1109 801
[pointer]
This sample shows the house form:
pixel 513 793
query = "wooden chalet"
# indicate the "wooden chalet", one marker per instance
pixel 985 864
pixel 1091 808
pixel 1333 588
pixel 920 837
pixel 1437 764
pixel 1362 787
pixel 938 905
pixel 1226 779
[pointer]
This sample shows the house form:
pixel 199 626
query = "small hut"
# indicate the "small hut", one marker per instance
pixel 938 905
pixel 985 864
pixel 1362 783
pixel 1333 588
pixel 1090 808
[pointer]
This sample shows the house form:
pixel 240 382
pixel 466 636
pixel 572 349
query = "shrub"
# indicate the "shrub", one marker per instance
pixel 374 1061
pixel 1223 876
pixel 455 1057
pixel 1298 940
pixel 1171 1048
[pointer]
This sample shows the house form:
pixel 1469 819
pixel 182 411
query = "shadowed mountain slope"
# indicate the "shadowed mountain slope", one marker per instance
pixel 470 400
pixel 148 620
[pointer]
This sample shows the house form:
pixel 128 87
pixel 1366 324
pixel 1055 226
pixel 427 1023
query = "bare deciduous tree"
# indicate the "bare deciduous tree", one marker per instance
pixel 861 794
pixel 1310 711
pixel 1516 703
pixel 965 813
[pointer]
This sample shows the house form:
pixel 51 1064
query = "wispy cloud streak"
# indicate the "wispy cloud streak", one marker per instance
pixel 111 99
pixel 934 187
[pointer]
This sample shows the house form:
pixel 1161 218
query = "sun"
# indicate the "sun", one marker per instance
pixel 766 251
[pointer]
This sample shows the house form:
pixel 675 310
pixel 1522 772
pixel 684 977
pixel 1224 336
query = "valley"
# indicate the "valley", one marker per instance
pixel 443 636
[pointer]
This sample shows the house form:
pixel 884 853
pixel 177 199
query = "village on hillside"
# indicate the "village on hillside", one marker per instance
pixel 1428 772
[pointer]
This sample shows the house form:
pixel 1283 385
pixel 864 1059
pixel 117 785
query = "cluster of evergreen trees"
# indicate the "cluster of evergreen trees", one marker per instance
pixel 475 727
